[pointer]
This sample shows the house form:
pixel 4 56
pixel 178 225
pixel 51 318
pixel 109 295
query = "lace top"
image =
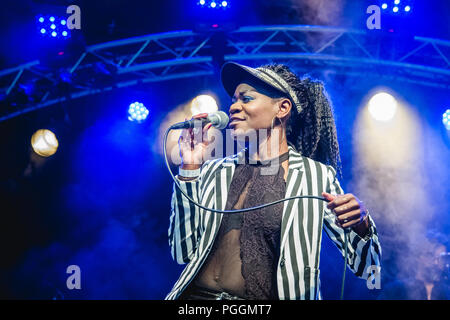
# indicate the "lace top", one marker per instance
pixel 245 254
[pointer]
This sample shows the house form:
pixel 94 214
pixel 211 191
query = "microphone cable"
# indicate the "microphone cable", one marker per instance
pixel 177 183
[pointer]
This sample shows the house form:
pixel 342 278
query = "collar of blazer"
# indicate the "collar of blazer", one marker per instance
pixel 295 185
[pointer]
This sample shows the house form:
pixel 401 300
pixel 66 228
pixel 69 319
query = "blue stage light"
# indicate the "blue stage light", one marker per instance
pixel 384 6
pixel 214 4
pixel 137 112
pixel 407 9
pixel 52 26
pixel 395 9
pixel 446 119
pixel 396 1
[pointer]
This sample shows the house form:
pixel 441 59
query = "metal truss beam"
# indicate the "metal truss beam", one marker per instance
pixel 184 54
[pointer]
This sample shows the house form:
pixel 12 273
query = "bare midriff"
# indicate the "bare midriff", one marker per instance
pixel 223 269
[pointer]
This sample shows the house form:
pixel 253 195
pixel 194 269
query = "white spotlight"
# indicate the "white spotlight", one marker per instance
pixel 203 104
pixel 382 106
pixel 44 143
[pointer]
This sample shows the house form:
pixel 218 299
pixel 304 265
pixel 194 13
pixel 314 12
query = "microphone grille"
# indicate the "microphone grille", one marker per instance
pixel 219 119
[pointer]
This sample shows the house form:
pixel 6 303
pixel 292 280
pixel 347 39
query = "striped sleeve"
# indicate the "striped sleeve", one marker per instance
pixel 184 230
pixel 364 254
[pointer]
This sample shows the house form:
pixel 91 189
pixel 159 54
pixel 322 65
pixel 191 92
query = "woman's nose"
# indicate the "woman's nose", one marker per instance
pixel 234 108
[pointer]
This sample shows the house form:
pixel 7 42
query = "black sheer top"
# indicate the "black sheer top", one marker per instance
pixel 244 257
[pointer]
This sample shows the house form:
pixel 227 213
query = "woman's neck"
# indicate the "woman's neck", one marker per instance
pixel 268 148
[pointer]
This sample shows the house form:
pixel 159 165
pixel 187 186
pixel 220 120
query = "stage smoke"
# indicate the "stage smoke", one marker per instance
pixel 393 180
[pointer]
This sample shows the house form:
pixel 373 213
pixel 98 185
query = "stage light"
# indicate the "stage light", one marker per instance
pixel 384 6
pixel 446 119
pixel 203 104
pixel 55 27
pixel 396 1
pixel 214 4
pixel 44 142
pixel 407 9
pixel 382 106
pixel 395 9
pixel 137 112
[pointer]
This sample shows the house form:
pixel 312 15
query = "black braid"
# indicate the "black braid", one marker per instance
pixel 313 131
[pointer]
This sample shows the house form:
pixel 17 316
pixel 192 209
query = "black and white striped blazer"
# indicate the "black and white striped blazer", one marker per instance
pixel 192 230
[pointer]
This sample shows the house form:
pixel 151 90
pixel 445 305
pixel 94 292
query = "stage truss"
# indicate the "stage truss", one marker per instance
pixel 185 54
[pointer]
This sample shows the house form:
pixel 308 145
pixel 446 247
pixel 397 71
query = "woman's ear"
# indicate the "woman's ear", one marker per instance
pixel 284 108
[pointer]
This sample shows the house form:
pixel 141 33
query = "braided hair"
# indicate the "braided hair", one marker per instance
pixel 312 132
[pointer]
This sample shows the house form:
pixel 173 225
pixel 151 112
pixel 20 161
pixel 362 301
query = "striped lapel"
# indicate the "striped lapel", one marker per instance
pixel 223 177
pixel 224 174
pixel 295 184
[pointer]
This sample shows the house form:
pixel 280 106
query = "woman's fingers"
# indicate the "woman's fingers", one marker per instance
pixel 205 128
pixel 340 200
pixel 328 196
pixel 349 219
pixel 200 116
pixel 205 132
pixel 346 207
pixel 354 214
pixel 193 141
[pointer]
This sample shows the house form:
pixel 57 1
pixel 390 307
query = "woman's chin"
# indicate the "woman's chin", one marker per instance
pixel 240 134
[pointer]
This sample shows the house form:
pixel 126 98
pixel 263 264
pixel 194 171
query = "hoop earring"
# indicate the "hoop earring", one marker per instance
pixel 283 128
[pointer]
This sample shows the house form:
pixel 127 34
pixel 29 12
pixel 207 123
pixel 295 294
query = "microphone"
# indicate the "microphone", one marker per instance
pixel 218 119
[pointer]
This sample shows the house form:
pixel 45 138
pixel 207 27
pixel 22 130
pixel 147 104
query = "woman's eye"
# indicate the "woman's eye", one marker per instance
pixel 244 99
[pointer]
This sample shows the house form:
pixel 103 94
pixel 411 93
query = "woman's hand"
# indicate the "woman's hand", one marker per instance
pixel 193 146
pixel 349 211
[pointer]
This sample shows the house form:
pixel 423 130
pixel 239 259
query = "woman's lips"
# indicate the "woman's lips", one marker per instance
pixel 234 122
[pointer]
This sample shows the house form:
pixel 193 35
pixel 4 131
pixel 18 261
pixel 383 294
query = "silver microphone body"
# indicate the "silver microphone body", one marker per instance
pixel 218 119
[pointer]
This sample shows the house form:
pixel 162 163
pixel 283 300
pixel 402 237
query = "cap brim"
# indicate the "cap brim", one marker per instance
pixel 233 74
